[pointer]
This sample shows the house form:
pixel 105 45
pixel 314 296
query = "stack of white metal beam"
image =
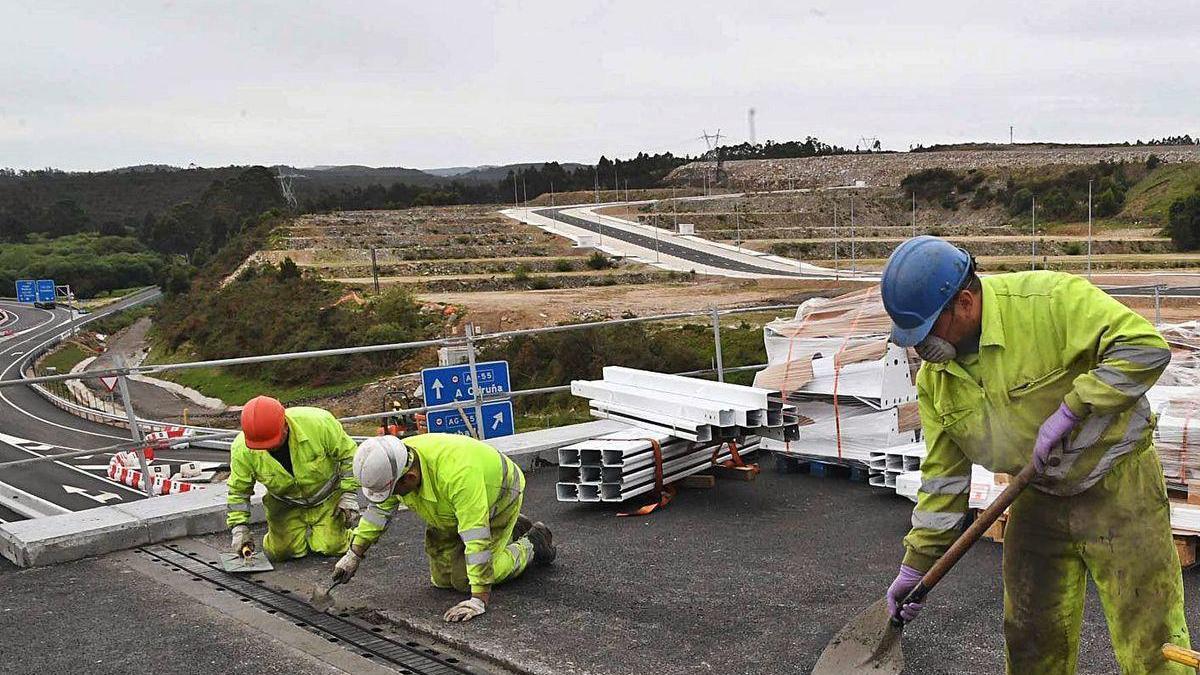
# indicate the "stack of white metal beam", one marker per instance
pixel 886 465
pixel 621 465
pixel 695 410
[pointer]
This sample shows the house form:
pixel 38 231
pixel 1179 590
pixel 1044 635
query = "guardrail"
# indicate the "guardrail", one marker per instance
pixel 469 340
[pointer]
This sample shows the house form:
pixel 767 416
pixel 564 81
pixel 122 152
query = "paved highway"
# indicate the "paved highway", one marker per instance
pixel 31 427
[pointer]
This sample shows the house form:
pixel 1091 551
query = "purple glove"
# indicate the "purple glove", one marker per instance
pixel 905 581
pixel 1053 431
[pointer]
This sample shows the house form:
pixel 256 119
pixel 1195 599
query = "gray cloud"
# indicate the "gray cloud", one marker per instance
pixel 91 85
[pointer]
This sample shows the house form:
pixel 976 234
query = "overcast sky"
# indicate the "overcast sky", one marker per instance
pixel 97 84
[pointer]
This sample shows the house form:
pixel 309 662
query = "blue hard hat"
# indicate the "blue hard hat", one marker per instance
pixel 921 277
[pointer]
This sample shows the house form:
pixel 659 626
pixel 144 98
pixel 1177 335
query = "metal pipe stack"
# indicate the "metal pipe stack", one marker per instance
pixel 621 465
pixel 686 408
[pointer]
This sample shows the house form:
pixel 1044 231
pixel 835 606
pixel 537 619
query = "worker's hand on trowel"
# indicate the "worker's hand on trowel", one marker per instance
pixel 347 508
pixel 466 610
pixel 1051 434
pixel 345 567
pixel 905 581
pixel 242 539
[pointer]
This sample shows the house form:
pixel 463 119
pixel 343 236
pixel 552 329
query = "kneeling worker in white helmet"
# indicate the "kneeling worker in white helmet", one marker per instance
pixel 469 495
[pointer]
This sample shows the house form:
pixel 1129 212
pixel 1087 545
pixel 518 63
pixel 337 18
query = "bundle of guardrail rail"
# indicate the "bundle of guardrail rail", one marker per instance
pixel 625 464
pixel 681 426
pixel 854 390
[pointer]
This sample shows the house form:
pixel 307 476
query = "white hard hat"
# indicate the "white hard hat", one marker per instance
pixel 378 464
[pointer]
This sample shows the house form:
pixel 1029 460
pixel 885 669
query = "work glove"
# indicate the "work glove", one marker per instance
pixel 347 508
pixel 905 581
pixel 346 566
pixel 465 611
pixel 1051 434
pixel 241 537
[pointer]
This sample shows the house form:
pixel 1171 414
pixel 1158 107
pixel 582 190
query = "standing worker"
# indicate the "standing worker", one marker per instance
pixel 469 495
pixel 304 458
pixel 1017 367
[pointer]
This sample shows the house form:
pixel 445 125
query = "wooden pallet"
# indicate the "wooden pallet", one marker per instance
pixel 1185 545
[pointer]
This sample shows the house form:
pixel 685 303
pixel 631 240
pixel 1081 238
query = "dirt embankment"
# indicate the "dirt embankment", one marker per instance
pixel 890 168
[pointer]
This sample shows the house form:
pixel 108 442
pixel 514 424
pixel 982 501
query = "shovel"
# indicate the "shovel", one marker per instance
pixel 322 596
pixel 245 561
pixel 870 643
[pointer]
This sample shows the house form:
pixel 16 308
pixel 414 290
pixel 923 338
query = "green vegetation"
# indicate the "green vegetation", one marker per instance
pixel 564 265
pixel 521 273
pixel 114 323
pixel 65 357
pixel 1151 198
pixel 91 263
pixel 1184 222
pixel 598 261
pixel 268 310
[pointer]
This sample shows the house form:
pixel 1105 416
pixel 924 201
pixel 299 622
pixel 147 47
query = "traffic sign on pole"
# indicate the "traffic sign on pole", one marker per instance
pixel 448 384
pixel 109 383
pixel 26 292
pixel 45 290
pixel 497 420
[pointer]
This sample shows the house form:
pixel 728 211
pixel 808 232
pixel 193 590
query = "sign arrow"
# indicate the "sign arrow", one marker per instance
pixel 496 420
pixel 103 497
pixel 437 388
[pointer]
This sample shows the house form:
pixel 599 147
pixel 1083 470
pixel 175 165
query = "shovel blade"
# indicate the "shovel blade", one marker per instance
pixel 868 645
pixel 322 597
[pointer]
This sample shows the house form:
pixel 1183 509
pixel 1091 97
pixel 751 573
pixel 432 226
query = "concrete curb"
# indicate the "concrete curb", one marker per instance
pixel 71 536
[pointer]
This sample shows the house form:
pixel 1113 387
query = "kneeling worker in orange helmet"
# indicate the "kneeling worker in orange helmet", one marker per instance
pixel 305 459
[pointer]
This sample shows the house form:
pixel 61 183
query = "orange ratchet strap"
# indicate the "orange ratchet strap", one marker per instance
pixel 664 493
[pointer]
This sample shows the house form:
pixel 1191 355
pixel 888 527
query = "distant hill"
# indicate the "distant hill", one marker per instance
pixel 451 171
pixel 492 174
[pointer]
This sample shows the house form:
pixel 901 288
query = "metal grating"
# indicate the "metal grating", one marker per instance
pixel 409 657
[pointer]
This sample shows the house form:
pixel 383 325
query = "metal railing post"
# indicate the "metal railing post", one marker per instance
pixel 135 431
pixel 716 316
pixel 1157 308
pixel 478 430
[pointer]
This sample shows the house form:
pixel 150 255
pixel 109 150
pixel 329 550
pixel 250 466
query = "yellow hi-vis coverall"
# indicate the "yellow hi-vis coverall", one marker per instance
pixel 470 496
pixel 1047 338
pixel 301 506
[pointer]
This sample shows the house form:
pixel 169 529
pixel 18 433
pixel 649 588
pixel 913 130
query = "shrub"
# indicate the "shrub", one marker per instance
pixel 1020 201
pixel 1074 248
pixel 1109 202
pixel 563 265
pixel 540 283
pixel 521 273
pixel 598 261
pixel 1152 162
pixel 1184 222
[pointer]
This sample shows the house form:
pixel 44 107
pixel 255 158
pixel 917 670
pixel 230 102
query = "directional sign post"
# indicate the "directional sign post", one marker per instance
pixel 45 290
pixel 453 383
pixel 497 420
pixel 26 291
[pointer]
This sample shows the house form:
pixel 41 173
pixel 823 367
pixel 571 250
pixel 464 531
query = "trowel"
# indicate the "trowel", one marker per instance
pixel 870 643
pixel 322 595
pixel 245 561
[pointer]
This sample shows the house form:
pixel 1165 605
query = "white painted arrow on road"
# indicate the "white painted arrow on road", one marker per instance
pixel 103 497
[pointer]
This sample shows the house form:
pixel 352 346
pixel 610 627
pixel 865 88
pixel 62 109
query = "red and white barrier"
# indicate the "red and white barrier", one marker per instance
pixel 120 469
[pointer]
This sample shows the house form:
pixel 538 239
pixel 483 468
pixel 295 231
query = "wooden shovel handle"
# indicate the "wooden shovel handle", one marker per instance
pixel 1178 654
pixel 968 538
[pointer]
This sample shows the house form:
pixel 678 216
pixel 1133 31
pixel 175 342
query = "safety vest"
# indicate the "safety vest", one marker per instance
pixel 322 464
pixel 465 484
pixel 1047 338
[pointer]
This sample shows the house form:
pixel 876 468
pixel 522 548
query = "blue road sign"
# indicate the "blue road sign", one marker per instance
pixel 453 383
pixel 497 420
pixel 26 291
pixel 45 290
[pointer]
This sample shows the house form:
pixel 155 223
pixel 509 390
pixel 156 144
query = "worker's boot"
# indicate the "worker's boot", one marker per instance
pixel 522 526
pixel 544 551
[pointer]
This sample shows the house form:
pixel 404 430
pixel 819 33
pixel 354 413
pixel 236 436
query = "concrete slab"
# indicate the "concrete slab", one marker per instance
pixel 72 536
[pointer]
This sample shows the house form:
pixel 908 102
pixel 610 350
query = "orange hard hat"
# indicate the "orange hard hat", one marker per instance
pixel 263 423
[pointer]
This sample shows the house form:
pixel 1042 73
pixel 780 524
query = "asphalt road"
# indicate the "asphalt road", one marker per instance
pixel 30 426
pixel 663 245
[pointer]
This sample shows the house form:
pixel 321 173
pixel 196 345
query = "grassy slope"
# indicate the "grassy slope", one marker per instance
pixel 1151 197
pixel 234 388
pixel 65 358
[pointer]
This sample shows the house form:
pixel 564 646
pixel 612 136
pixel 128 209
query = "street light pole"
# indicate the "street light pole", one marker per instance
pixel 1033 233
pixel 914 215
pixel 1089 258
